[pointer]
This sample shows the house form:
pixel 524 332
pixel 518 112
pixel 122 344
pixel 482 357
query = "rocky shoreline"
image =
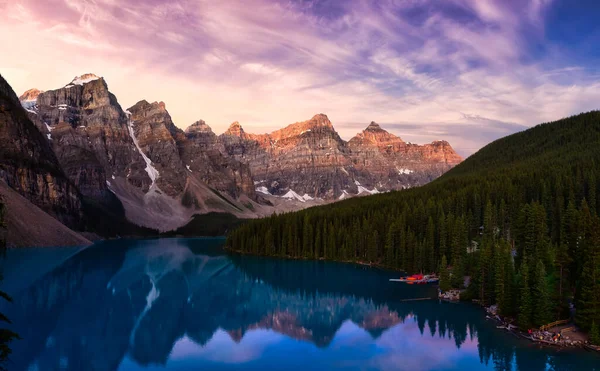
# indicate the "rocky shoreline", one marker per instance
pixel 542 336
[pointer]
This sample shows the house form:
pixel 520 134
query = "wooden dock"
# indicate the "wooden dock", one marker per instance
pixel 554 324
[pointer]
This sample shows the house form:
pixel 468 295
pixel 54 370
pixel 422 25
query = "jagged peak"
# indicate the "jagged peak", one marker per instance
pixel 139 105
pixel 235 129
pixel 320 119
pixel 144 104
pixel 30 95
pixel 375 134
pixel 198 127
pixel 300 128
pixel 83 79
pixel 373 126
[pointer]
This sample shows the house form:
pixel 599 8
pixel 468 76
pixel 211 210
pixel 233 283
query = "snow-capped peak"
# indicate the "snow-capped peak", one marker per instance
pixel 83 79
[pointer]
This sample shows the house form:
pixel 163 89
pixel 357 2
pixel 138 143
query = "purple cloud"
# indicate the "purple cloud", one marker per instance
pixel 435 64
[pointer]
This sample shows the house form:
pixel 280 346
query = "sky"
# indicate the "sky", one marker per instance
pixel 467 71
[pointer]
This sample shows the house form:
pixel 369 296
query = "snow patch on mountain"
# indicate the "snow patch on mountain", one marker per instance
pixel 291 195
pixel 29 105
pixel 362 189
pixel 83 79
pixel 150 169
pixel 263 190
pixel 402 171
pixel 344 195
pixel 49 129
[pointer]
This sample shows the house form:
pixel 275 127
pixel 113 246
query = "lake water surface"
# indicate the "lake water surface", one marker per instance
pixel 183 304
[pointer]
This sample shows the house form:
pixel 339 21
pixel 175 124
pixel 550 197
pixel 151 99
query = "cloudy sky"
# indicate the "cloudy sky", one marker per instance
pixel 467 71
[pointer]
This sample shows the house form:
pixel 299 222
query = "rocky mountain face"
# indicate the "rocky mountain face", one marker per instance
pixel 139 155
pixel 309 158
pixel 204 156
pixel 305 158
pixel 163 175
pixel 28 164
pixel 89 133
pixel 385 161
pixel 153 129
pixel 29 98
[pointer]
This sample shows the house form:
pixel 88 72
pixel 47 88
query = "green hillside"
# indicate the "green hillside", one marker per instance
pixel 531 195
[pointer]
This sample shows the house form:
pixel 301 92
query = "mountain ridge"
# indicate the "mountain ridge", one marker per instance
pixel 164 175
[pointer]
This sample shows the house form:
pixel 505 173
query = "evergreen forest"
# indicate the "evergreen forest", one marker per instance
pixel 520 218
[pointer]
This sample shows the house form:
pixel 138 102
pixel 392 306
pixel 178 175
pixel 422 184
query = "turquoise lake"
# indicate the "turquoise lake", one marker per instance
pixel 184 304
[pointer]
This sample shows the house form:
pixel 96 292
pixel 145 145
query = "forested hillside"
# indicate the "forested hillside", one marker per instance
pixel 531 196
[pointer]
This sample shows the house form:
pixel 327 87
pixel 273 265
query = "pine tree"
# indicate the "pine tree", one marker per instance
pixel 289 247
pixel 269 245
pixel 510 286
pixel 390 245
pixel 428 247
pixel 318 244
pixel 562 262
pixel 500 279
pixel 444 275
pixel 372 247
pixel 587 301
pixel 525 305
pixel 458 275
pixel 488 219
pixel 541 302
pixel 591 195
pixel 331 243
pixel 595 334
pixel 442 235
pixel 570 238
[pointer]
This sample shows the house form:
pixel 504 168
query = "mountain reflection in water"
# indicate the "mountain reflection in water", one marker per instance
pixel 184 304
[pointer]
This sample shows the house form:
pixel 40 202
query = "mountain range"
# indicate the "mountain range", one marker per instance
pixel 85 149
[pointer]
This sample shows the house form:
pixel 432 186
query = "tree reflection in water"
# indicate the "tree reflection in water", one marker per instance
pixel 133 304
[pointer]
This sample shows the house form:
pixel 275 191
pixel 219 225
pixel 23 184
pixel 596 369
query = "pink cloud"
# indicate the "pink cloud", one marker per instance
pixel 270 63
